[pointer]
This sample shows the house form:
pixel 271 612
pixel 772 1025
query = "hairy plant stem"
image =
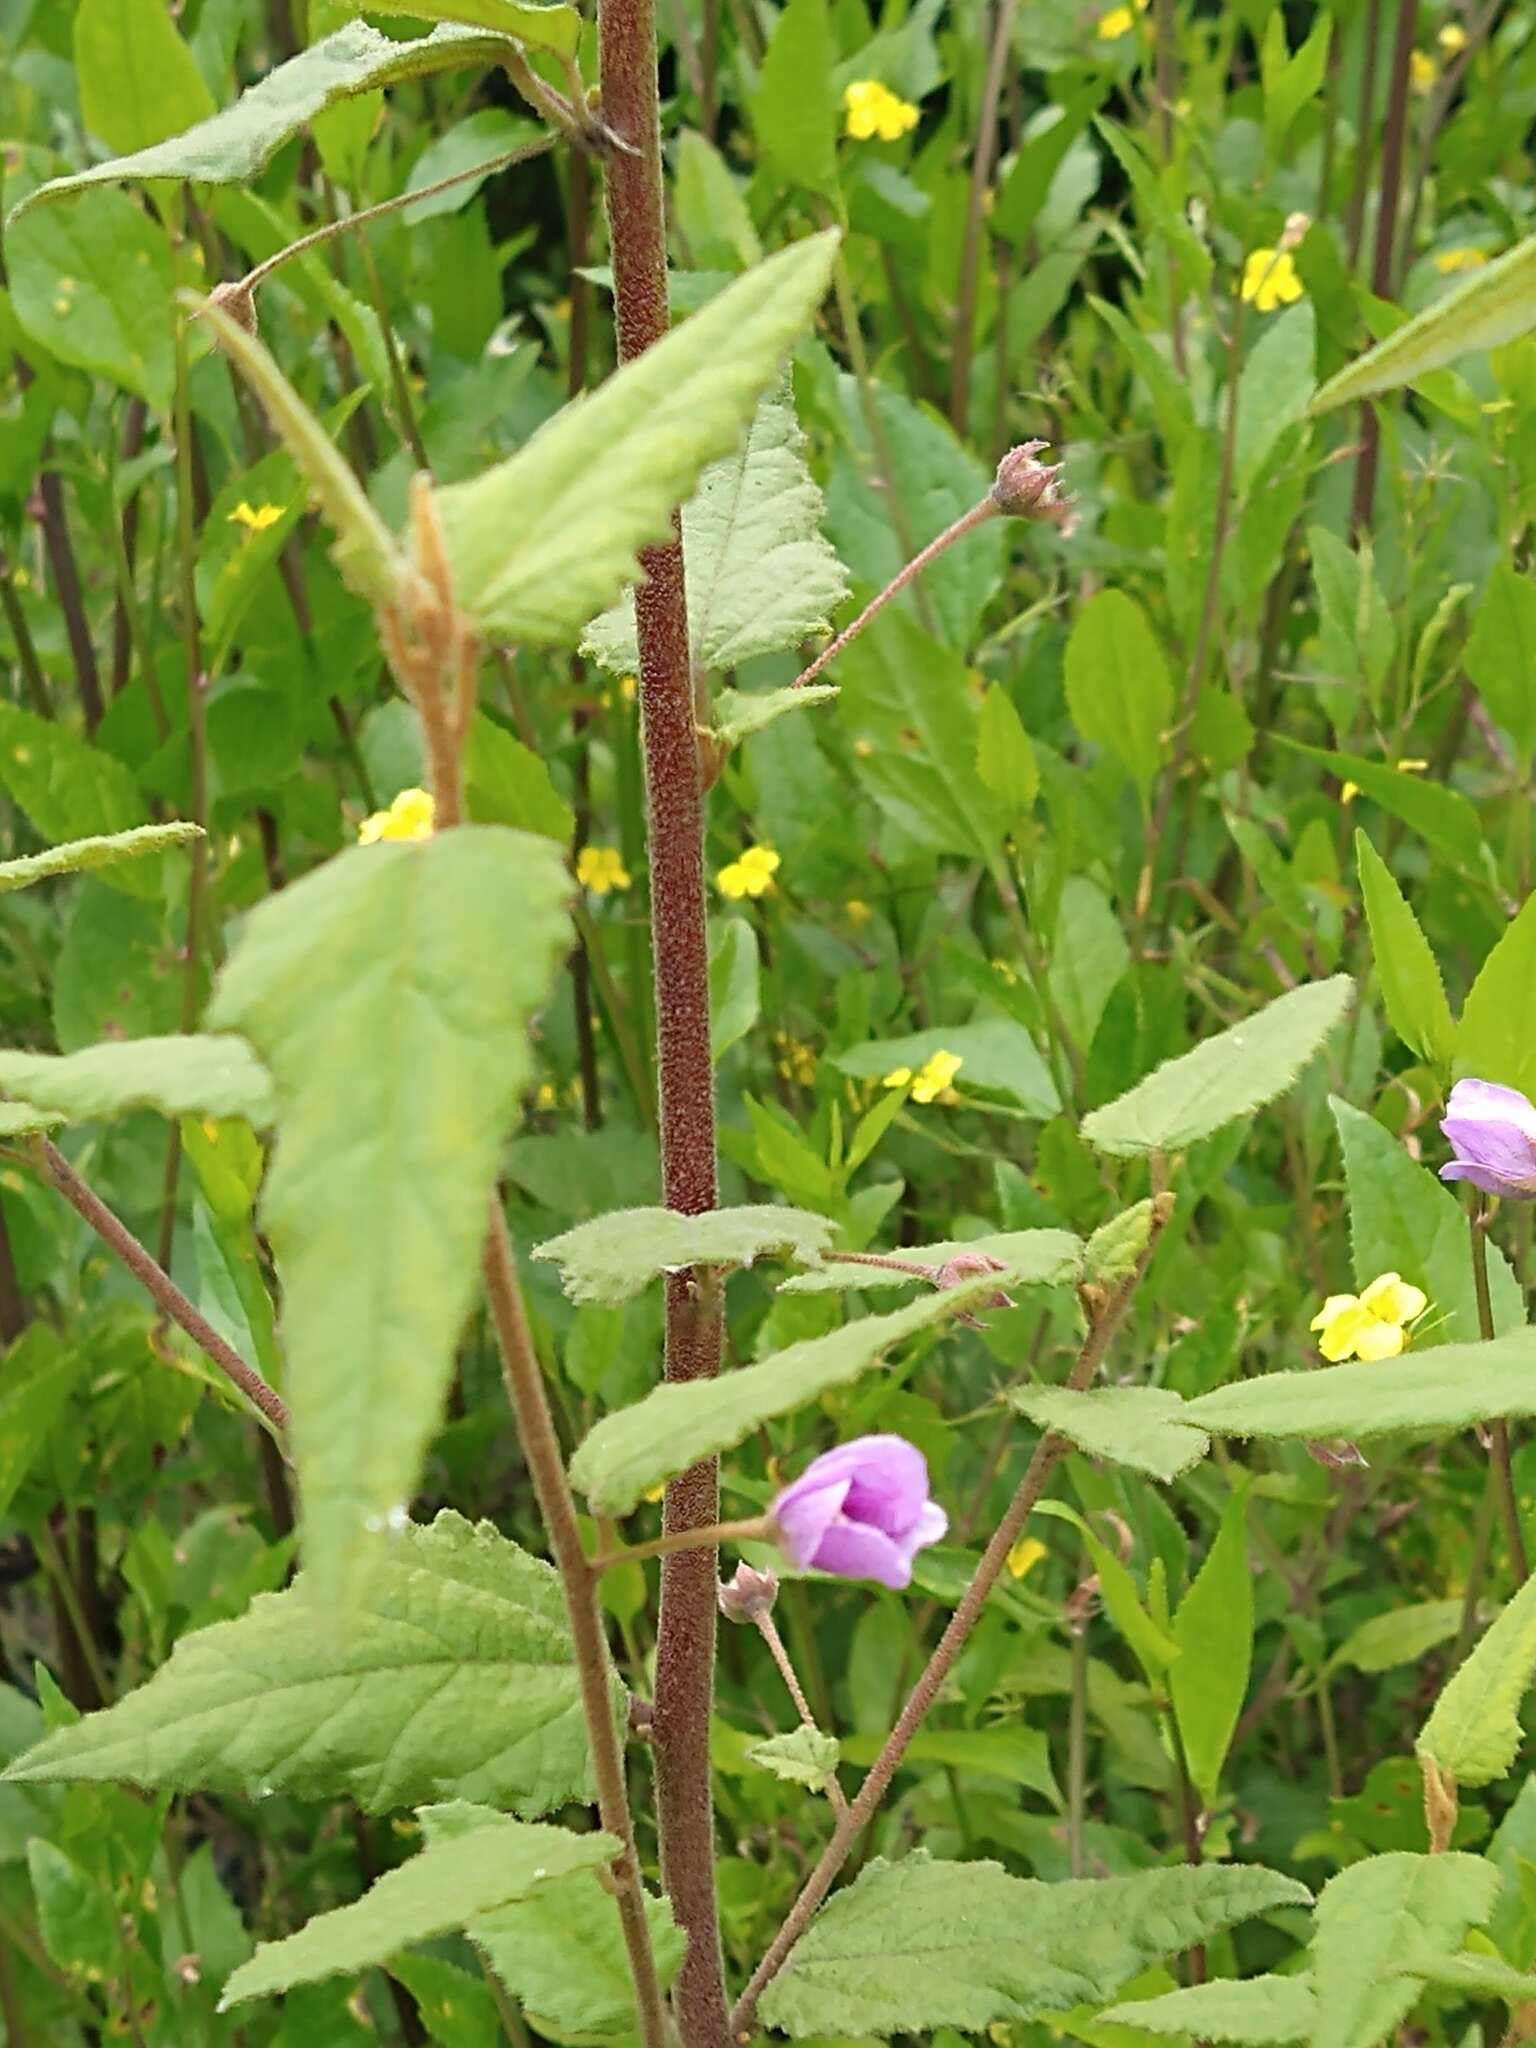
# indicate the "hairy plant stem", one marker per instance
pixel 685 1649
pixel 1106 1312
pixel 1498 1432
pixel 754 1529
pixel 768 1630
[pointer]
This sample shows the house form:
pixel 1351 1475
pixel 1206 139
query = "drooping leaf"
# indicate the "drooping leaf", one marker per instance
pixel 1410 980
pixel 1118 689
pixel 396 1038
pixel 1139 1427
pixel 615 1257
pixel 919 1944
pixel 189 1076
pixel 1034 1258
pixel 1369 1918
pixel 1474 1732
pixel 1213 1628
pixel 1491 1039
pixel 102 851
pixel 138 80
pixel 1263 2011
pixel 543 542
pixel 454 1881
pixel 803 1756
pixel 629 1452
pixel 1227 1077
pixel 737 714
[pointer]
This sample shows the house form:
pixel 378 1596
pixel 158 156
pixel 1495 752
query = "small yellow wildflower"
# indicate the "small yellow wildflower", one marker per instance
pixel 858 911
pixel 752 875
pixel 1422 70
pixel 872 109
pixel 1025 1555
pixel 933 1078
pixel 255 518
pixel 1270 280
pixel 408 817
pixel 1369 1325
pixel 1451 260
pixel 547 1096
pixel 1118 22
pixel 796 1061
pixel 1348 791
pixel 1004 972
pixel 898 1077
pixel 1411 765
pixel 1452 38
pixel 601 868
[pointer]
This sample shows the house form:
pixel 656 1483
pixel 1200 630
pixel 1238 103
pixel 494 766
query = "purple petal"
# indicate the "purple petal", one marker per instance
pixel 890 1484
pixel 1491 1099
pixel 855 1551
pixel 803 1512
pixel 1499 1148
pixel 1490 1182
pixel 931 1526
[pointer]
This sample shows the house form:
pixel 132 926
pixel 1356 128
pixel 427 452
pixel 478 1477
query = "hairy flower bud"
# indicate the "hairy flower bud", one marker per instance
pixel 1032 490
pixel 237 302
pixel 965 1266
pixel 749 1595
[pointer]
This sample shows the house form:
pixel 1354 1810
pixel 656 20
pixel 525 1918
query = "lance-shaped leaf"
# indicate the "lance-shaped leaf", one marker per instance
pixel 548 27
pixel 236 145
pixel 1370 1918
pixel 615 1257
pixel 456 1879
pixel 761 577
pixel 1034 1258
pixel 543 542
pixel 1264 2011
pixel 457 1679
pixel 1408 972
pixel 178 1076
pixel 394 1026
pixel 100 852
pixel 737 714
pixel 1492 1040
pixel 1493 306
pixel 1139 1427
pixel 1228 1077
pixel 1474 1732
pixel 918 1944
pixel 674 1426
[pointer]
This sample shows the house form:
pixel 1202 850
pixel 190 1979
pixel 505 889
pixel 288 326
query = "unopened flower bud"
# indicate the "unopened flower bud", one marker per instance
pixel 965 1266
pixel 749 1595
pixel 237 302
pixel 1032 490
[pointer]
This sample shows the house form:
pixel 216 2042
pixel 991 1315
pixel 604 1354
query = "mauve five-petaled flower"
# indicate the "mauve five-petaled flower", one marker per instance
pixel 1492 1132
pixel 861 1511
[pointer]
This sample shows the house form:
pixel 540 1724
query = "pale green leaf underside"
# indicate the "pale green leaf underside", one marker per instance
pixel 397 1041
pixel 560 1952
pixel 616 1257
pixel 236 145
pixel 1140 1427
pixel 674 1426
pixel 101 852
pixel 737 714
pixel 803 1756
pixel 918 1944
pixel 1474 1732
pixel 1034 1258
pixel 450 1884
pixel 1262 2010
pixel 192 1076
pixel 21 1119
pixel 1477 1976
pixel 542 543
pixel 1370 1918
pixel 1227 1077
pixel 454 1679
pixel 761 577
pixel 548 27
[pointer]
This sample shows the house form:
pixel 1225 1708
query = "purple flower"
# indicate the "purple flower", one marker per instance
pixel 861 1511
pixel 1492 1131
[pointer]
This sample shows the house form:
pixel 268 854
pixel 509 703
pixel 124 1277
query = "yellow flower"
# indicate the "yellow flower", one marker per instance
pixel 1450 260
pixel 898 1077
pixel 1118 22
pixel 1025 1555
pixel 752 875
pixel 408 817
pixel 872 109
pixel 934 1077
pixel 256 518
pixel 858 911
pixel 1452 38
pixel 1270 280
pixel 796 1062
pixel 546 1098
pixel 1369 1325
pixel 1348 791
pixel 601 868
pixel 1422 70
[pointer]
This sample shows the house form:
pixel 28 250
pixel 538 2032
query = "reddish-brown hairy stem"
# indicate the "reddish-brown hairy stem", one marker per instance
pixel 685 1653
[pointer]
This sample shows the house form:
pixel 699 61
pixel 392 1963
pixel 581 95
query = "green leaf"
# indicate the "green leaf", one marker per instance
pixel 69 790
pixel 454 1679
pixel 453 1882
pixel 95 287
pixel 1492 1040
pixel 1088 955
pixel 802 1757
pixel 1476 1976
pixel 918 1944
pixel 1276 382
pixel 1410 977
pixel 1500 656
pixel 1118 690
pixel 1492 306
pixel 506 783
pixel 1034 1258
pixel 1139 1427
pixel 1404 1635
pixel 100 852
pixel 1474 1732
pixel 995 1053
pixel 1021 1756
pixel 1116 1248
pixel 737 714
pixel 77 1915
pixel 178 1076
pixel 1264 2011
pixel 1403 1219
pixel 615 1257
pixel 138 80
pixel 1213 1628
pixel 541 543
pixel 1369 1917
pixel 735 984
pixel 561 1954
pixel 238 143
pixel 1227 1077
pixel 628 1453
pixel 396 1037
pixel 38 1379
pixel 555 28
pixel 792 110
pixel 1150 1643
pixel 760 575
pixel 1290 81
pixel 21 1119
pixel 1005 755
pixel 1449 1387
pixel 1439 814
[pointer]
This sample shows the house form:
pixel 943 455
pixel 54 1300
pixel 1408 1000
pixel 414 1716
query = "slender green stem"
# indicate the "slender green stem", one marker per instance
pixel 64 1584
pixel 1077 1747
pixel 1498 1432
pixel 755 1529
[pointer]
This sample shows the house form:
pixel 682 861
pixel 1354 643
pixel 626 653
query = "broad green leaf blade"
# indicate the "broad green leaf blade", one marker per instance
pixel 457 1679
pixel 1139 1427
pixel 68 789
pixel 238 143
pixel 1493 1040
pixel 793 115
pixel 674 1426
pixel 366 551
pixel 178 1076
pixel 101 851
pixel 1214 1631
pixel 1477 1976
pixel 737 714
pixel 1021 1756
pixel 918 1944
pixel 1447 1388
pixel 1474 1732
pixel 506 783
pixel 615 1257
pixel 995 1053
pixel 1403 1219
pixel 1440 815
pixel 1410 980
pixel 1034 1258
pixel 94 286
pixel 1373 1914
pixel 450 1884
pixel 1404 1635
pixel 560 1952
pixel 1492 306
pixel 761 577
pixel 547 27
pixel 1500 656
pixel 138 80
pixel 1005 754
pixel 1263 2011
pixel 39 1377
pixel 1227 1077
pixel 802 1757
pixel 395 1032
pixel 1118 690
pixel 21 1119
pixel 542 543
